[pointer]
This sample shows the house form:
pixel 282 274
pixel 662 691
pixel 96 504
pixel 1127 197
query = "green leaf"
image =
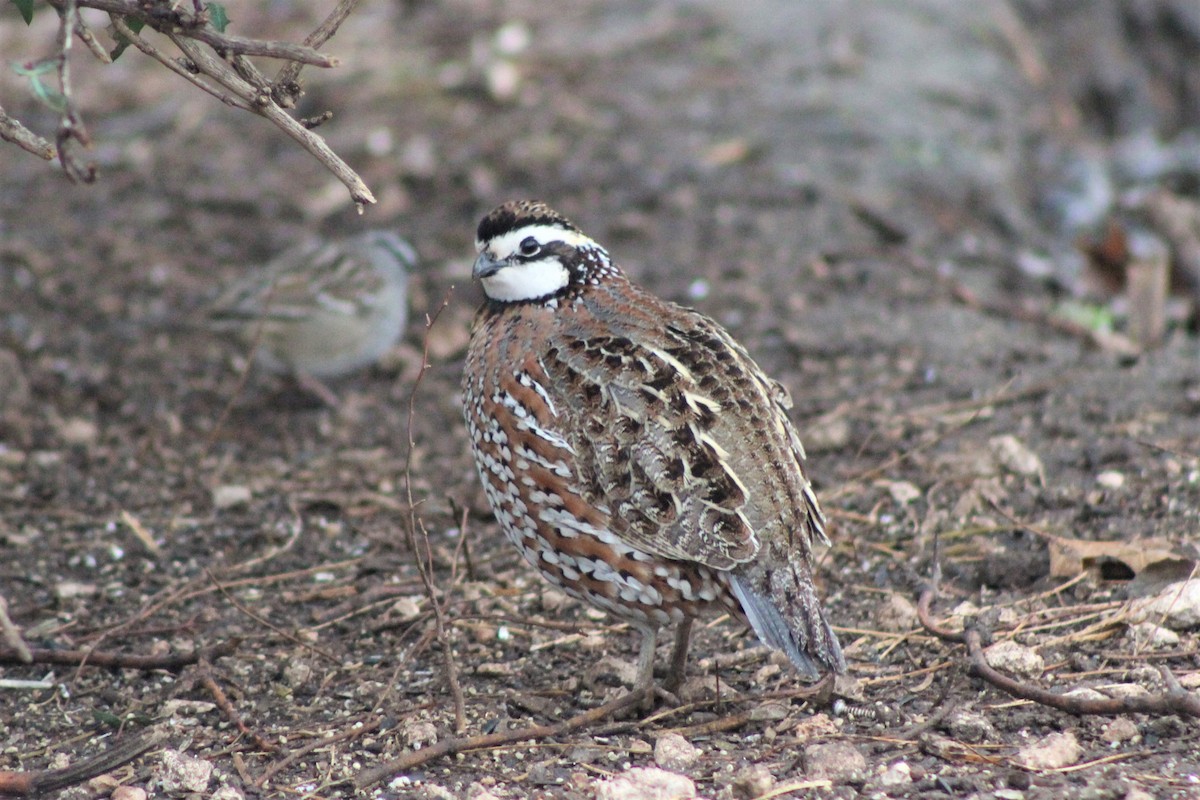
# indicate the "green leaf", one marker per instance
pixel 26 9
pixel 134 25
pixel 217 16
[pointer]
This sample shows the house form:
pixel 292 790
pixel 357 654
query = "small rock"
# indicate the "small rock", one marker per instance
pixel 902 492
pixel 898 774
pixel 416 733
pixel 765 673
pixel 229 496
pixel 1054 751
pixel 970 726
pixel 813 727
pixel 1012 657
pixel 477 791
pixel 896 614
pixel 69 590
pixel 769 711
pixel 752 781
pixel 607 669
pixel 179 772
pixel 1147 634
pixel 1111 479
pixel 1121 729
pixel 297 673
pixel 228 792
pixel 834 761
pixel 407 608
pixel 645 783
pixel 1137 794
pixel 1177 606
pixel 503 80
pixel 128 793
pixel 78 431
pixel 434 791
pixel 1012 454
pixel 675 753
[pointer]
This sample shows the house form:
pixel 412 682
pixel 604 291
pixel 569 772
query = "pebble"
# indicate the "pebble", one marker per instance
pixel 1012 657
pixel 1177 606
pixel 1121 729
pixel 675 753
pixel 78 431
pixel 1054 751
pixel 1147 634
pixel 418 733
pixel 834 761
pixel 228 496
pixel 179 772
pixel 970 726
pixel 897 774
pixel 645 783
pixel 128 793
pixel 1111 479
pixel 1012 454
pixel 752 781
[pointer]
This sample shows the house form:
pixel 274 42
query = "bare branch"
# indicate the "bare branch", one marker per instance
pixel 41 782
pixel 177 21
pixel 70 126
pixel 235 81
pixel 260 101
pixel 286 87
pixel 11 130
pixel 95 658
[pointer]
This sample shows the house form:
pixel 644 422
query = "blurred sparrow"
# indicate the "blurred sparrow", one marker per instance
pixel 321 309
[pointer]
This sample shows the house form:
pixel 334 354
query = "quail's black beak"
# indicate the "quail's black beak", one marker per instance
pixel 485 266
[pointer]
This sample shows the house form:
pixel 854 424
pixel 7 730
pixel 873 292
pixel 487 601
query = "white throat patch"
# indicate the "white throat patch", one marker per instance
pixel 526 281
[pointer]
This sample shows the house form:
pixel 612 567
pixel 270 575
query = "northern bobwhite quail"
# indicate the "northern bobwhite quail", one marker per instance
pixel 632 449
pixel 321 308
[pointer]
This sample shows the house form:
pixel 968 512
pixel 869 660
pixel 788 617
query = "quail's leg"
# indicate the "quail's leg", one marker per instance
pixel 316 387
pixel 645 668
pixel 678 666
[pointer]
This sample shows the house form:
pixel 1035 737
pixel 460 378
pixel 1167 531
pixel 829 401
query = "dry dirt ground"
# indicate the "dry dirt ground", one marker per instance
pixel 930 412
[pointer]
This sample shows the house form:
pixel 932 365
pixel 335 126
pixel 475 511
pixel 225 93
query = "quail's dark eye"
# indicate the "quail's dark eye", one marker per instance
pixel 529 246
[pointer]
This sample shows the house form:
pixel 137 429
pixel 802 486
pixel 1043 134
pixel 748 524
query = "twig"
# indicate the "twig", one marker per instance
pixel 425 564
pixel 286 87
pixel 22 784
pixel 450 747
pixel 141 44
pixel 291 637
pixel 1175 700
pixel 260 102
pixel 191 32
pixel 92 658
pixel 222 700
pixel 351 732
pixel 11 130
pixel 176 20
pixel 12 634
pixel 70 126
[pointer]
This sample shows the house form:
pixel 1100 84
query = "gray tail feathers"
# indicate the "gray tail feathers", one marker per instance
pixel 798 628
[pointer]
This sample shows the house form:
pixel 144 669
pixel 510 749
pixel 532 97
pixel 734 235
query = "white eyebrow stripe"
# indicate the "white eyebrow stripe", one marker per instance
pixel 503 246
